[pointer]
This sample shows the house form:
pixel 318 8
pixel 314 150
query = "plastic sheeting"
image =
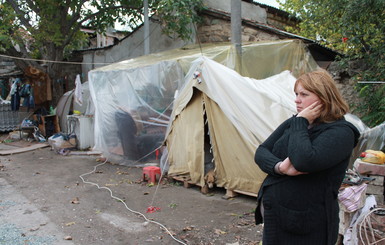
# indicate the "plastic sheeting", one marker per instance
pixel 371 138
pixel 206 109
pixel 142 90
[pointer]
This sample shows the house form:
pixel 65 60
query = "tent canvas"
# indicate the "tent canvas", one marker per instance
pixel 238 113
pixel 67 104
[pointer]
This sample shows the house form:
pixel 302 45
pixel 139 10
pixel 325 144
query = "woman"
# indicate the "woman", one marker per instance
pixel 305 159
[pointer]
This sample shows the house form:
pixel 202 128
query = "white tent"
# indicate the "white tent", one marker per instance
pixel 239 113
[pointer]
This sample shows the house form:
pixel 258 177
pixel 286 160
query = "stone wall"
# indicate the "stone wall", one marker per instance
pixel 345 84
pixel 213 30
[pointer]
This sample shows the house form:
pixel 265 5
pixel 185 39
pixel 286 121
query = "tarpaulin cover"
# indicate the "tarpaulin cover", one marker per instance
pixel 241 113
pixel 134 98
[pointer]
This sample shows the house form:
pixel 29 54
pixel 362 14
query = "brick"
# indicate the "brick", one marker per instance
pixel 378 180
pixel 369 168
pixel 380 199
pixel 375 189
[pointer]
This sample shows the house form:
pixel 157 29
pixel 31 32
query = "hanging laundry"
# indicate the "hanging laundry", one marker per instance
pixel 78 95
pixel 15 95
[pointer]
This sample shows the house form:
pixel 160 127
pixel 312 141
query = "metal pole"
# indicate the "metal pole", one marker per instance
pixel 146 29
pixel 236 25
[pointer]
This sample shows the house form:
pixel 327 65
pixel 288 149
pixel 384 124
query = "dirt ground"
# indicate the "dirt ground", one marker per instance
pixel 43 200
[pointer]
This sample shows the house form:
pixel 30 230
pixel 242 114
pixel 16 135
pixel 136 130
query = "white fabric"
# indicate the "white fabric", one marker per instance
pixel 352 197
pixel 351 234
pixel 78 95
pixel 241 113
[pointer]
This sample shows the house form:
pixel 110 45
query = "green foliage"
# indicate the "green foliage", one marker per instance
pixel 178 16
pixel 7 18
pixel 356 29
pixel 374 108
pixel 50 29
pixel 173 205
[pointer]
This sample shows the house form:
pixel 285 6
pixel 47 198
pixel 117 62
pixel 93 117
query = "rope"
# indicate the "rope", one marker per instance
pixel 197 36
pixel 365 228
pixel 124 203
pixel 76 63
pixel 52 61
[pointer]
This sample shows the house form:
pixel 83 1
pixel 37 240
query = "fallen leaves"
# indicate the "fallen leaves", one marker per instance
pixel 219 232
pixel 70 223
pixel 188 228
pixel 173 205
pixel 101 159
pixel 34 229
pixel 111 185
pixel 75 200
pixel 118 172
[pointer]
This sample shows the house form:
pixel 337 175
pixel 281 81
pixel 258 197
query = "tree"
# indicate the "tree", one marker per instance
pixel 356 29
pixel 50 29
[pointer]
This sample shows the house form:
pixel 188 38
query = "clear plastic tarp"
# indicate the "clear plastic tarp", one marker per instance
pixel 133 99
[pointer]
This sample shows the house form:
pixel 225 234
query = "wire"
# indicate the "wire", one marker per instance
pixel 52 61
pixel 371 81
pixel 124 203
pixel 199 41
pixel 364 225
pixel 76 63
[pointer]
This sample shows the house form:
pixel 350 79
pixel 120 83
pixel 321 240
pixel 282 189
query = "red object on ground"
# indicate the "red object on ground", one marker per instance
pixel 151 172
pixel 152 209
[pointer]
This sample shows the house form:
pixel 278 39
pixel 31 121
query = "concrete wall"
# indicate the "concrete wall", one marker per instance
pixel 131 47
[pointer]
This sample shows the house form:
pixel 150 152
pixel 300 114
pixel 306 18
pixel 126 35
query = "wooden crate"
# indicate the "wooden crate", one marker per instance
pixel 187 183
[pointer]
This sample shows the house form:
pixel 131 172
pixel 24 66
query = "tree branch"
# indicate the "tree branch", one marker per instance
pixel 20 63
pixel 33 6
pixel 76 15
pixel 105 10
pixel 21 14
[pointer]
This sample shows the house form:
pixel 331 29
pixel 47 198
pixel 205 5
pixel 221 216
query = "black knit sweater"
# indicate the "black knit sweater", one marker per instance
pixel 305 207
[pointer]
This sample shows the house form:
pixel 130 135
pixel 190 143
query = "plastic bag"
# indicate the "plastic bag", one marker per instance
pixel 62 141
pixel 370 156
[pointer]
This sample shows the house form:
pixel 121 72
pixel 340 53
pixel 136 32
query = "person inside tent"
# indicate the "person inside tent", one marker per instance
pixel 127 131
pixel 305 159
